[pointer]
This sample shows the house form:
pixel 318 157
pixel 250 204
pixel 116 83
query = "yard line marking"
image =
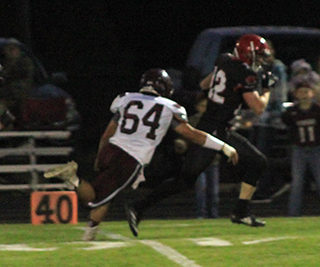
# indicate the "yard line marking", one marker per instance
pixel 23 247
pixel 266 240
pixel 110 235
pixel 215 222
pixel 170 253
pixel 211 241
pixel 97 245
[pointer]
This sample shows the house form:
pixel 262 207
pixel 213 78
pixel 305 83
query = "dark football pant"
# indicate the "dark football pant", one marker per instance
pixel 252 163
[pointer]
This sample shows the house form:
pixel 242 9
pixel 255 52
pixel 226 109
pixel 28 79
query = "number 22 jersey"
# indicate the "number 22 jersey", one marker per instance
pixel 144 119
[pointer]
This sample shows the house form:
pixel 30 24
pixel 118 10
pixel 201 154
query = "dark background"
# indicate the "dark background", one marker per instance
pixel 105 46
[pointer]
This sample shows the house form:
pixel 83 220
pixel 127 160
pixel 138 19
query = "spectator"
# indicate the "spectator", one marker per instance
pixel 303 121
pixel 140 122
pixel 36 106
pixel 6 118
pixel 207 184
pixel 207 191
pixel 49 107
pixel 189 89
pixel 18 70
pixel 301 71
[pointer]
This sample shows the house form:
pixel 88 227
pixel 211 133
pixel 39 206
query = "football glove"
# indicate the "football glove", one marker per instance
pixel 268 80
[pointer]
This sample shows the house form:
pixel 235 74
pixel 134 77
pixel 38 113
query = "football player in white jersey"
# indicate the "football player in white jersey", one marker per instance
pixel 139 123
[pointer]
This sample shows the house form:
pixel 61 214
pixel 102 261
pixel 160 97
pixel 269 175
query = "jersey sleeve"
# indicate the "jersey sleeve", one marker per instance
pixel 179 116
pixel 116 103
pixel 179 113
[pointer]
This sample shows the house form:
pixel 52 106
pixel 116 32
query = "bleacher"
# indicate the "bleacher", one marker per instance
pixel 21 154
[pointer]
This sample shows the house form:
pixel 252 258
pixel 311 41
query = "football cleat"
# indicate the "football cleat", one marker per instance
pixel 133 219
pixel 90 233
pixel 66 172
pixel 249 221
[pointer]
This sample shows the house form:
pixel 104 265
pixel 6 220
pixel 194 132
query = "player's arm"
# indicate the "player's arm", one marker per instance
pixel 104 140
pixel 206 140
pixel 257 103
pixel 109 132
pixel 206 82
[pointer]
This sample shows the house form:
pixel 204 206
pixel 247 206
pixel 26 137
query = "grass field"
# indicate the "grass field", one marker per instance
pixel 284 242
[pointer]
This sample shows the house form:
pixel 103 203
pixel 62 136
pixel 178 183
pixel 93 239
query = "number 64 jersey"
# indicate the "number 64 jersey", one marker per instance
pixel 144 121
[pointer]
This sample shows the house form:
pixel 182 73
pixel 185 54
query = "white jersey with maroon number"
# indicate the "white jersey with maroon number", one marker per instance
pixel 144 121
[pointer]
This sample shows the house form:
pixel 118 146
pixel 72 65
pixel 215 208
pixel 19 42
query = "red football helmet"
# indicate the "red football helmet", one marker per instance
pixel 249 46
pixel 157 80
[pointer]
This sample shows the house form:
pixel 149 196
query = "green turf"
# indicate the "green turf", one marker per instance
pixel 283 242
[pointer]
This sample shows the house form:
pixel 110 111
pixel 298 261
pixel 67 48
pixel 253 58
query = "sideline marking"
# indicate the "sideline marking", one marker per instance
pixel 267 240
pixel 170 253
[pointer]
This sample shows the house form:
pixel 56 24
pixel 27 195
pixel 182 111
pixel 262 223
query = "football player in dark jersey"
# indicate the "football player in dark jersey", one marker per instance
pixel 232 84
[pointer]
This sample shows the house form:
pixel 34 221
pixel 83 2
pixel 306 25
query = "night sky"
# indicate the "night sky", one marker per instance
pixel 104 46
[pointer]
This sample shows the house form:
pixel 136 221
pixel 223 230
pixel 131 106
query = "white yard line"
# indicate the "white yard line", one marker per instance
pixel 101 245
pixel 166 251
pixel 170 253
pixel 266 240
pixel 211 241
pixel 110 235
pixel 22 247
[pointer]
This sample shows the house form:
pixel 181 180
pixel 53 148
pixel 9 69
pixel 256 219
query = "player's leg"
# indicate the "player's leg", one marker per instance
pixel 201 195
pixel 118 170
pixel 95 217
pixel 68 173
pixel 213 173
pixel 314 163
pixel 298 172
pixel 252 164
pixel 196 161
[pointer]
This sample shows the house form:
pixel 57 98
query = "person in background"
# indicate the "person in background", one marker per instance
pixel 139 124
pixel 207 191
pixel 18 70
pixel 36 103
pixel 6 117
pixel 207 184
pixel 303 122
pixel 301 71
